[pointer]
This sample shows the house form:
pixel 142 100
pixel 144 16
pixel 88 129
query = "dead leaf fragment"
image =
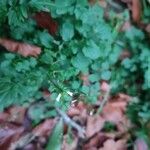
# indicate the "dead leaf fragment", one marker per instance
pixel 112 114
pixel 136 10
pixel 46 93
pixel 125 26
pixel 16 114
pixel 140 144
pixel 103 3
pixel 69 146
pixel 125 54
pixel 85 79
pixel 148 29
pixel 114 111
pixel 96 141
pixel 110 144
pixel 45 128
pixel 9 133
pixel 3 116
pixel 45 21
pixel 94 125
pixel 105 86
pixel 23 49
pixel 73 111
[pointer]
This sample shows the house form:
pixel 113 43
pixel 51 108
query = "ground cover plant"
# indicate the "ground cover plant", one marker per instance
pixel 73 60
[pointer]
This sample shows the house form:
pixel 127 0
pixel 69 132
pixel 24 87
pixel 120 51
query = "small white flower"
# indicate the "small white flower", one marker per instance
pixel 73 101
pixel 70 93
pixel 58 97
pixel 91 113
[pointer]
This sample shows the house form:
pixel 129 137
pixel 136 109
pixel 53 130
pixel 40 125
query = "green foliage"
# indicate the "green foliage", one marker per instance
pixel 41 110
pixel 20 79
pixel 109 127
pixel 80 62
pixel 138 112
pixel 85 43
pixel 146 14
pixel 67 31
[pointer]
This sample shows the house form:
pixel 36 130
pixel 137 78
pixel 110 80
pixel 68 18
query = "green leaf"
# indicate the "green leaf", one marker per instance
pixel 33 62
pixel 9 56
pixel 55 139
pixel 93 15
pixel 41 4
pixel 104 31
pixel 40 111
pixel 106 75
pixel 13 18
pixel 133 33
pixel 85 89
pixel 94 77
pixel 62 7
pixel 96 65
pixel 105 65
pixel 91 50
pixel 23 11
pixel 47 57
pixel 67 31
pixel 127 63
pixel 79 11
pixel 80 61
pixel 75 84
pixel 82 3
pixel 114 54
pixel 63 3
pixel 45 39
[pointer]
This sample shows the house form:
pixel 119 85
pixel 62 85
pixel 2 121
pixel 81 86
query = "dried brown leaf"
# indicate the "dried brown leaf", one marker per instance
pixel 103 3
pixel 110 144
pixel 136 10
pixel 45 128
pixel 73 111
pixel 46 93
pixel 85 79
pixel 140 144
pixel 148 29
pixel 125 54
pixel 69 146
pixel 112 114
pixel 94 125
pixel 96 141
pixel 124 97
pixel 126 26
pixel 9 133
pixel 105 86
pixel 23 49
pixel 16 114
pixel 3 117
pixel 45 21
pixel 114 111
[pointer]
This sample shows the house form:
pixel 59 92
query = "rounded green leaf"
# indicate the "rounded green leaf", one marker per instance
pixel 94 77
pixel 67 31
pixel 91 50
pixel 106 75
pixel 80 61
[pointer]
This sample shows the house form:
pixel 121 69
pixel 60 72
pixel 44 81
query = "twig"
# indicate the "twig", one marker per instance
pixel 23 141
pixel 104 101
pixel 70 122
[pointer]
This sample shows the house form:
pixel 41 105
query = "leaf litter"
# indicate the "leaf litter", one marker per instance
pixel 14 128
